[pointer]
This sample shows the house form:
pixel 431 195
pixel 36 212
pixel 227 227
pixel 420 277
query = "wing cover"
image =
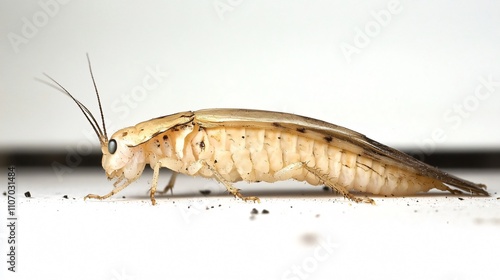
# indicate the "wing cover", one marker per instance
pixel 339 136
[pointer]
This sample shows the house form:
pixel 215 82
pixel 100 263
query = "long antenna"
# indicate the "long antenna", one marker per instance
pixel 86 112
pixel 98 98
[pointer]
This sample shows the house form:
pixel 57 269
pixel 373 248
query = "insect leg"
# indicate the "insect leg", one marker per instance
pixel 115 190
pixel 230 188
pixel 168 163
pixel 170 185
pixel 335 186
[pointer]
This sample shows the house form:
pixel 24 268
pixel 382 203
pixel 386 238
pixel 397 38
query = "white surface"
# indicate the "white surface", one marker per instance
pixel 431 236
pixel 402 86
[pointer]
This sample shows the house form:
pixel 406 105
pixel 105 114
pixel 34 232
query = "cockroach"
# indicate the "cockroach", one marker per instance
pixel 232 145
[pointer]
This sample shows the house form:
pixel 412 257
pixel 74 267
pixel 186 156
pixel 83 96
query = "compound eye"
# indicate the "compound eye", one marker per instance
pixel 112 146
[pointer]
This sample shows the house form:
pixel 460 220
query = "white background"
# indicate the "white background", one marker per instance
pixel 399 88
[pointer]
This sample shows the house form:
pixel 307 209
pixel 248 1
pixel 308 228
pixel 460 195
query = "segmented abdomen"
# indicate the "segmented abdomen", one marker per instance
pixel 258 154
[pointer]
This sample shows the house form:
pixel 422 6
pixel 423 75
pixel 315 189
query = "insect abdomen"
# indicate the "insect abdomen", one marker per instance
pixel 272 155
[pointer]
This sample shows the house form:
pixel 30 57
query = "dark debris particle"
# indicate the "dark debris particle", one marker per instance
pixel 498 197
pixel 220 205
pixel 205 192
pixel 254 212
pixel 325 188
pixel 265 211
pixel 212 207
pixel 27 194
pixel 317 216
pixel 4 193
pixel 460 198
pixel 123 196
pixel 65 196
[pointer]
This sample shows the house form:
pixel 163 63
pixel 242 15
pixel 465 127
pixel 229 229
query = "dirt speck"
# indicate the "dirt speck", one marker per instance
pixel 65 196
pixel 27 194
pixel 254 211
pixel 460 198
pixel 205 192
pixel 309 239
pixel 265 211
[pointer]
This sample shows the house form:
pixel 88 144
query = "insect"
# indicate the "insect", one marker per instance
pixel 233 145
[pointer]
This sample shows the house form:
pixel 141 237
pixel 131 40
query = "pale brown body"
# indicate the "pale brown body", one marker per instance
pixel 230 145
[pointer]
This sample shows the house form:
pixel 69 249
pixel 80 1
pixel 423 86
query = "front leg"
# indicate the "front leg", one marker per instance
pixel 117 188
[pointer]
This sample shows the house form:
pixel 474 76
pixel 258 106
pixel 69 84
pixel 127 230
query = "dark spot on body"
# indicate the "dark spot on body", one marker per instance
pixel 124 134
pixel 243 137
pixel 279 137
pixel 27 194
pixel 328 138
pixel 215 161
pixel 301 130
pixel 165 137
pixel 202 145
pixel 277 124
